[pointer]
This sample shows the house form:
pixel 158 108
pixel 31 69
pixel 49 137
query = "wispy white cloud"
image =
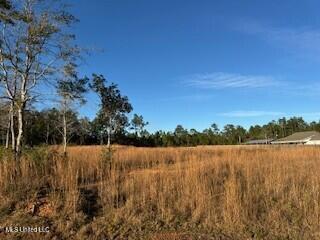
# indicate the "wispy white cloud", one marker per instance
pixel 299 41
pixel 222 80
pixel 251 113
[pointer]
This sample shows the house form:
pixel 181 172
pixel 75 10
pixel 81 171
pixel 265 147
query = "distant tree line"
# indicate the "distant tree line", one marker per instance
pixel 46 127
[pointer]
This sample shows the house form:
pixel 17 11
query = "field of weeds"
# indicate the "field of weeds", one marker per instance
pixel 222 192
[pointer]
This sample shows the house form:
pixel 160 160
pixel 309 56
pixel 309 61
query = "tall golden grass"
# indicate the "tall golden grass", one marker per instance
pixel 239 192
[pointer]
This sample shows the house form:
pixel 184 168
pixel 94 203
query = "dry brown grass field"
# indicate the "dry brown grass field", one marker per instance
pixel 218 192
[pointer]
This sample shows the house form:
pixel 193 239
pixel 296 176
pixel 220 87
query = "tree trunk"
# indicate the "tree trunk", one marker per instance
pixel 13 134
pixel 21 110
pixel 64 133
pixel 109 139
pixel 8 133
pixel 81 140
pixel 9 127
pixel 109 133
pixel 20 129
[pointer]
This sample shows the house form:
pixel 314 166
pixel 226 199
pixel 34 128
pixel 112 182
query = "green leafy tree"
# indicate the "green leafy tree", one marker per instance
pixel 234 134
pixel 180 136
pixel 256 132
pixel 84 130
pixel 112 116
pixel 138 124
pixel 283 126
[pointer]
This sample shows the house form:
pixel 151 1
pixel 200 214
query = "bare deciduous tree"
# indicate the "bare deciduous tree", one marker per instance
pixel 32 48
pixel 71 89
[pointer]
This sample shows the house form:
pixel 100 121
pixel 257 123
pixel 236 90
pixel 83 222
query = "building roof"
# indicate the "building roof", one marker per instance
pixel 299 137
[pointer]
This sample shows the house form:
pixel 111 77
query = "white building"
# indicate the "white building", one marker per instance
pixel 307 138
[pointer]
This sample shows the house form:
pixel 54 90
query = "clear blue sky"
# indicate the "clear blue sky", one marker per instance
pixel 198 62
